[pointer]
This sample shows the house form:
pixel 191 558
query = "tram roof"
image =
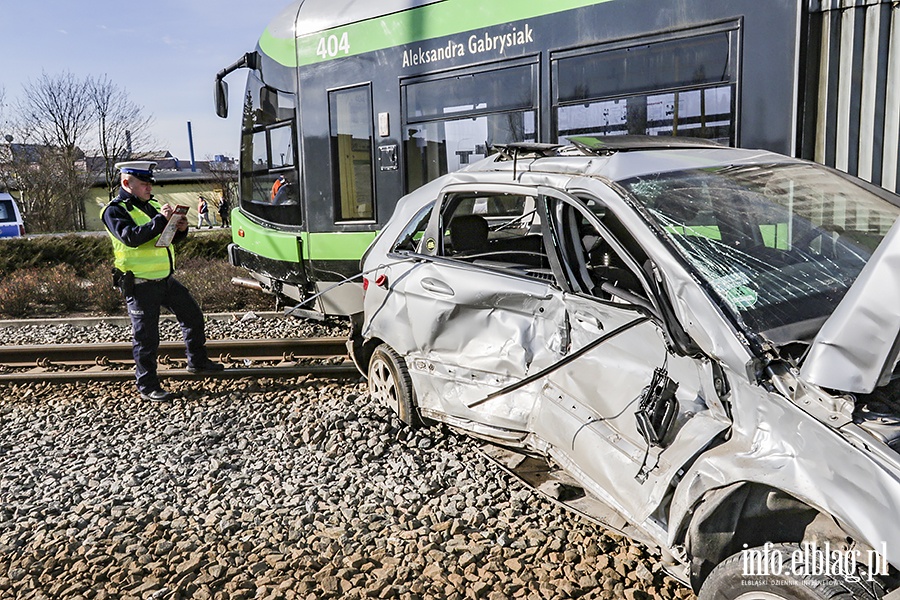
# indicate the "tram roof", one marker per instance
pixel 303 17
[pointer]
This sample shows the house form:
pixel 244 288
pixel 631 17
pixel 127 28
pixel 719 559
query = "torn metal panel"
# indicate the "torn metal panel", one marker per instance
pixel 587 408
pixel 775 443
pixel 451 390
pixel 559 487
pixel 856 349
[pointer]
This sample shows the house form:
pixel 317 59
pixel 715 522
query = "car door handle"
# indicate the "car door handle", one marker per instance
pixel 436 286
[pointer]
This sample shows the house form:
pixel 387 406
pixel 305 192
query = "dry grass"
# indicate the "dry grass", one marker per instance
pixel 57 290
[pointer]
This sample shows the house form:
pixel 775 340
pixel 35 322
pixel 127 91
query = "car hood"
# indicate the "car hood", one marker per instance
pixel 856 349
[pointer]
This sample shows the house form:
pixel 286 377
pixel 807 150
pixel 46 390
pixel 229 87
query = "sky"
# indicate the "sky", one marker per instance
pixel 165 53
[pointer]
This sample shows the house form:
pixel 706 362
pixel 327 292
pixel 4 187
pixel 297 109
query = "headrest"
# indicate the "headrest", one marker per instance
pixel 468 233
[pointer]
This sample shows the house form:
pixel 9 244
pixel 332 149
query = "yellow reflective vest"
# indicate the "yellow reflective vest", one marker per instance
pixel 145 261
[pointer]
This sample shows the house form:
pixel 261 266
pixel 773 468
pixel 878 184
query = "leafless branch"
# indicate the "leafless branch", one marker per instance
pixel 121 125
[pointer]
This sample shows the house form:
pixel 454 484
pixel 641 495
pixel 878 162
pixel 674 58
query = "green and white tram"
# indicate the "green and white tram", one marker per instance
pixel 349 105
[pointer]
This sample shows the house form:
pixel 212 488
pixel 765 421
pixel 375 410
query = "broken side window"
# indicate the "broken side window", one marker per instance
pixel 594 260
pixel 412 234
pixel 499 230
pixel 608 269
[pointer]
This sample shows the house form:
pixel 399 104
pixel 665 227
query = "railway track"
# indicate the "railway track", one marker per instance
pixel 323 356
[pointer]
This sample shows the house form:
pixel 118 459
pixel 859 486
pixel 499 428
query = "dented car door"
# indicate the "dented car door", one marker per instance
pixel 629 413
pixel 481 318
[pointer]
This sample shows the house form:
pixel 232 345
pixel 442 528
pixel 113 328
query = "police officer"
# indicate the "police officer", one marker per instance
pixel 134 221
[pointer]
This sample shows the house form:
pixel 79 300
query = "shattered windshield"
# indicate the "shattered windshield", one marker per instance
pixel 778 245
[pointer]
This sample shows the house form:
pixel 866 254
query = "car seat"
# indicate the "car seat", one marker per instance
pixel 469 234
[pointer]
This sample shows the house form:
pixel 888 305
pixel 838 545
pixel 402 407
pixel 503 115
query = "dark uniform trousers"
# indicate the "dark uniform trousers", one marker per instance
pixel 144 308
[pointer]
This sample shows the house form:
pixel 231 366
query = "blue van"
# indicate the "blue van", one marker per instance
pixel 10 218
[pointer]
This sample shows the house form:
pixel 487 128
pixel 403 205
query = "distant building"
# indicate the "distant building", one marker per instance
pixel 177 182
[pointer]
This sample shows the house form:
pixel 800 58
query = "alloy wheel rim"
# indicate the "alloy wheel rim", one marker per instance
pixel 382 386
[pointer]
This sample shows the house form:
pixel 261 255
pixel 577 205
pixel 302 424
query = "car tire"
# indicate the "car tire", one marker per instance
pixel 391 385
pixel 728 582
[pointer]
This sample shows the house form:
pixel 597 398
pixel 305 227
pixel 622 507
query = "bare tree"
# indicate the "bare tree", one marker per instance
pixel 55 120
pixel 36 171
pixel 3 122
pixel 225 176
pixel 121 126
pixel 55 116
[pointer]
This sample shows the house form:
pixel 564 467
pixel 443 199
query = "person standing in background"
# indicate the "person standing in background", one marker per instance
pixel 224 212
pixel 203 212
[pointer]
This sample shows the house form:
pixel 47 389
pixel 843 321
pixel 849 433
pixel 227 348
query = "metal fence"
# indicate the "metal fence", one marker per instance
pixel 852 116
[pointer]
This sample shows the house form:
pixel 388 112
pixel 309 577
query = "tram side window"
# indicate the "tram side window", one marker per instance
pixel 671 87
pixel 452 121
pixel 696 113
pixel 352 153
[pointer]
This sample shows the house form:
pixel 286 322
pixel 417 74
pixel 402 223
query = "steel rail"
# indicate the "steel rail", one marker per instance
pixel 232 350
pixel 114 361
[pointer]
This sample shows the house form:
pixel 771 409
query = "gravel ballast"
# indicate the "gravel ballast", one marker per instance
pixel 223 326
pixel 270 488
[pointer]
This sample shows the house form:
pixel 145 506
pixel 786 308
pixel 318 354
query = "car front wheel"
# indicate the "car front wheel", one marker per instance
pixel 391 385
pixel 777 572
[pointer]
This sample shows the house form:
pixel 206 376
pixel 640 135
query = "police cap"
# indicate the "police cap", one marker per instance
pixel 142 169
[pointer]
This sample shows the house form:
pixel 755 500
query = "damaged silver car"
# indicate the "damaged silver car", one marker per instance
pixel 692 344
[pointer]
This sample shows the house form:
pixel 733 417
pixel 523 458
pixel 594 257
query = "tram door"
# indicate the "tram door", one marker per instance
pixel 352 150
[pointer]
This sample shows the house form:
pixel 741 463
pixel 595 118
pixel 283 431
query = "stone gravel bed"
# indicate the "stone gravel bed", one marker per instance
pixel 288 488
pixel 221 326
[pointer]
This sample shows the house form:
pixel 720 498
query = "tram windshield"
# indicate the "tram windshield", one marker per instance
pixel 269 166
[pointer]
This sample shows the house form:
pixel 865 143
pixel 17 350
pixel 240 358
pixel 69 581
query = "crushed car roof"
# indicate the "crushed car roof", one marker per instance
pixel 855 351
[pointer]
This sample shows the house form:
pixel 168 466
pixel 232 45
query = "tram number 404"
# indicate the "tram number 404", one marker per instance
pixel 332 45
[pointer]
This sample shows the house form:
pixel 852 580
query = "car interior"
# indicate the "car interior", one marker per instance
pixel 506 233
pixel 496 231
